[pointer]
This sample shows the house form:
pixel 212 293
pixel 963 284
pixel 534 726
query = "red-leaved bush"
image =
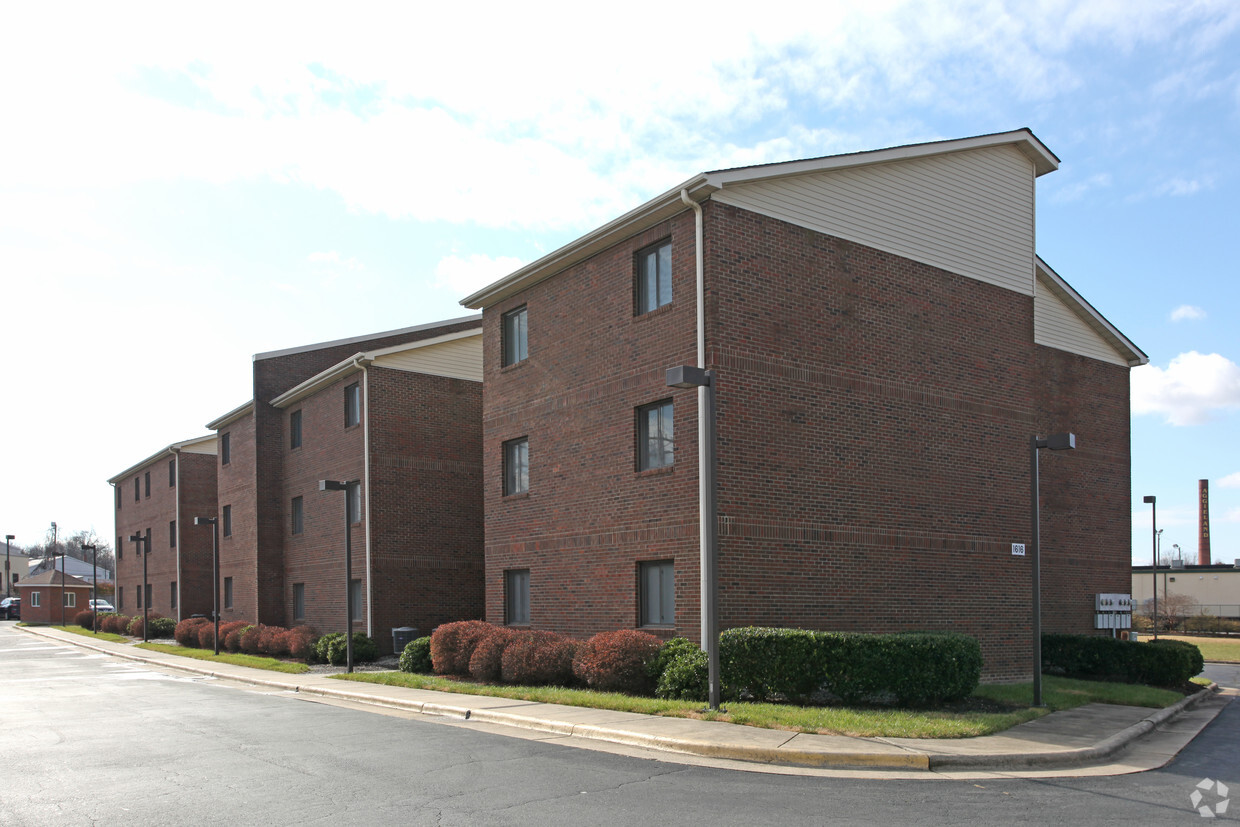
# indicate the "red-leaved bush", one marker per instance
pixel 271 641
pixel 114 624
pixel 251 640
pixel 186 632
pixel 616 661
pixel 232 638
pixel 137 623
pixel 452 645
pixel 536 658
pixel 486 663
pixel 85 619
pixel 299 642
pixel 226 630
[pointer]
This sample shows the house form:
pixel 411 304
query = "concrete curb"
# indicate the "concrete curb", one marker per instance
pixel 906 759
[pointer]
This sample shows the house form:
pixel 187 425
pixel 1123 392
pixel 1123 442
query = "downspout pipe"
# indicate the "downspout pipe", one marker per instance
pixel 364 364
pixel 705 530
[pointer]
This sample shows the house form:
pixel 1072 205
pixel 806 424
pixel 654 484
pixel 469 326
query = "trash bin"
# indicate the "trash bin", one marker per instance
pixel 401 637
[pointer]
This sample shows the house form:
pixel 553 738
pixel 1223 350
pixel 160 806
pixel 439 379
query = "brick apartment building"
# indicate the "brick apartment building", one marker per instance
pixel 393 408
pixel 885 341
pixel 159 498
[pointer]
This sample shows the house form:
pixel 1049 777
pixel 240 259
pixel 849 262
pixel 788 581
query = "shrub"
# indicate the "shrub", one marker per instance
pixel 271 641
pixel 161 627
pixel 685 677
pixel 115 624
pixel 1165 663
pixel 772 664
pixel 137 622
pixel 232 640
pixel 538 658
pixel 299 642
pixel 186 632
pixel 227 630
pixel 251 640
pixel 85 619
pixel 452 645
pixel 486 663
pixel 417 656
pixel 617 661
pixel 333 648
pixel 666 654
pixel 206 635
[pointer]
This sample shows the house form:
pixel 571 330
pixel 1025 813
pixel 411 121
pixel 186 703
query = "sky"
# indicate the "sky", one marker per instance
pixel 185 185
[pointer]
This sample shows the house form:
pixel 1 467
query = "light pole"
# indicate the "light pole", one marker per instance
pixel 215 568
pixel 347 487
pixel 1153 501
pixel 687 376
pixel 1055 442
pixel 8 578
pixel 94 587
pixel 142 543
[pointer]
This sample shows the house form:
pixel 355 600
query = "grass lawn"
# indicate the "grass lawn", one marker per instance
pixel 991 709
pixel 237 659
pixel 1218 649
pixel 108 636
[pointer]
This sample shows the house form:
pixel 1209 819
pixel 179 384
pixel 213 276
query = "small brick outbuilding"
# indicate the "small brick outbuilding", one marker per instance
pixel 42 600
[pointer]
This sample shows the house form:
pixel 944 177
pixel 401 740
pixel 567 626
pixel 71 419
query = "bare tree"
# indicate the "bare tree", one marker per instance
pixel 1173 609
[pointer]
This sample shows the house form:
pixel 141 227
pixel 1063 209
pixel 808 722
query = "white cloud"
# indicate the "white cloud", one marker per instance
pixel 467 275
pixel 1190 391
pixel 1230 481
pixel 1180 186
pixel 332 259
pixel 1187 311
pixel 1075 191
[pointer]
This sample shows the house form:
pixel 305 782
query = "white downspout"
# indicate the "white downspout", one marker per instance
pixel 703 455
pixel 370 603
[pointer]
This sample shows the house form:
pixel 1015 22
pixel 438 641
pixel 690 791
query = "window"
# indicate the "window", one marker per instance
pixel 298 515
pixel 118 498
pixel 137 489
pixel 515 337
pixel 172 533
pixel 225 449
pixel 352 405
pixel 172 473
pixel 148 594
pixel 294 429
pixel 70 599
pixel 120 547
pixel 34 599
pixel 654 436
pixel 228 521
pixel 654 277
pixel 517 597
pixel 172 594
pixel 517 466
pixel 228 597
pixel 355 597
pixel 147 475
pixel 299 601
pixel 354 503
pixel 658 593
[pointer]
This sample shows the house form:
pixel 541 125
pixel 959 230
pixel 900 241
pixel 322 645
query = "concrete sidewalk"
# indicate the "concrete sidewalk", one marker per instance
pixel 1092 739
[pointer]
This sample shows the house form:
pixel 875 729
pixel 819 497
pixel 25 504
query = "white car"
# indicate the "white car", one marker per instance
pixel 100 606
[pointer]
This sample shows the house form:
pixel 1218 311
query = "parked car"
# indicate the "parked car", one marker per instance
pixel 100 606
pixel 11 608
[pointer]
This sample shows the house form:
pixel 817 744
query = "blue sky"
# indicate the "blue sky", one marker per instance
pixel 183 190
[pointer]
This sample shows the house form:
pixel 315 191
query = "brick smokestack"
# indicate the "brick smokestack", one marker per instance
pixel 1203 523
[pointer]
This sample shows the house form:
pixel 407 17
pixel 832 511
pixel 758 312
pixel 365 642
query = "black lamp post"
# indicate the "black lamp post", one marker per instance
pixel 215 568
pixel 347 487
pixel 8 578
pixel 687 376
pixel 142 543
pixel 1055 442
pixel 94 587
pixel 1153 501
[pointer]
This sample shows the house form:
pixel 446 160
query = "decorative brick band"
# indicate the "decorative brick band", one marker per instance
pixel 609 539
pixel 419 464
pixel 788 530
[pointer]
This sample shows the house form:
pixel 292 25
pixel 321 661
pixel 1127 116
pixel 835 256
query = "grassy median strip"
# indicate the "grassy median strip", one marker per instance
pixel 252 661
pixel 108 636
pixel 992 709
pixel 1217 649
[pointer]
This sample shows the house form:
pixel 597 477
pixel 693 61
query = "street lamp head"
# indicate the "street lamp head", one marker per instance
pixel 135 538
pixel 86 547
pixel 1149 499
pixel 205 520
pixel 10 536
pixel 1061 442
pixel 333 485
pixel 687 376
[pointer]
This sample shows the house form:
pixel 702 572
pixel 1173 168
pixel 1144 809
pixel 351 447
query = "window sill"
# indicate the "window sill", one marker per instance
pixel 656 472
pixel 524 495
pixel 658 311
pixel 514 366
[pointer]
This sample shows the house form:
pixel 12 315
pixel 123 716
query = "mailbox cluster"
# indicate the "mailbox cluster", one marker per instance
pixel 1113 611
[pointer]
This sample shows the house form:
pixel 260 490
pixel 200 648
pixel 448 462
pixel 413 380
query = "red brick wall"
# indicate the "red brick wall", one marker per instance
pixel 197 492
pixel 874 423
pixel 589 516
pixel 152 512
pixel 426 501
pixel 49 609
pixel 238 558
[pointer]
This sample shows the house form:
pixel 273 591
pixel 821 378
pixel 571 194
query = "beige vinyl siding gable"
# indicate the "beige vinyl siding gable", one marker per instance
pixel 969 212
pixel 1057 325
pixel 457 359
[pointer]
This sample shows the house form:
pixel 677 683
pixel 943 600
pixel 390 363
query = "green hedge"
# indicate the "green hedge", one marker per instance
pixel 912 668
pixel 333 649
pixel 416 657
pixel 1157 663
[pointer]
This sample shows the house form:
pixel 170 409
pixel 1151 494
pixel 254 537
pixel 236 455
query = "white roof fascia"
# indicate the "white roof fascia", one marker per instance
pixel 357 360
pixel 1131 353
pixel 271 354
pixel 231 417
pixel 170 450
pixel 701 186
